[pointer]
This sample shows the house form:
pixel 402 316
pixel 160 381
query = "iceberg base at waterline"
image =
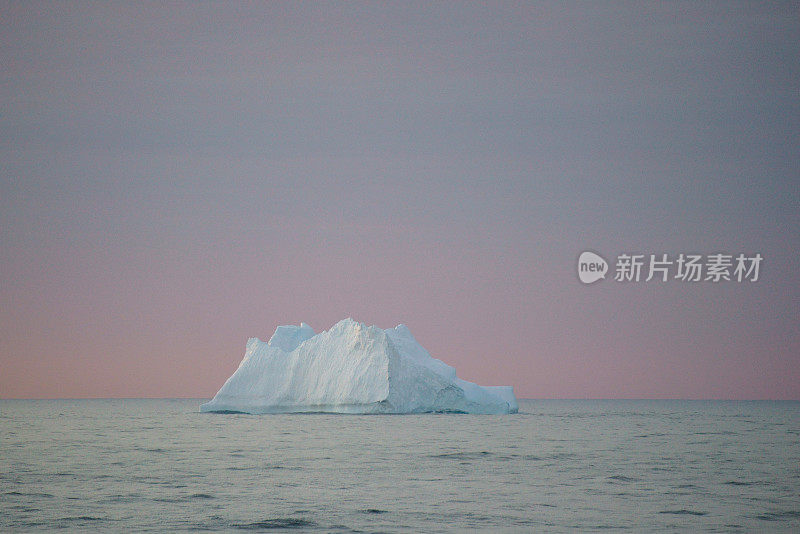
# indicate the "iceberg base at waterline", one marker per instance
pixel 351 368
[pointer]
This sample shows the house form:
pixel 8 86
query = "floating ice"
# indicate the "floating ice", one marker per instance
pixel 350 368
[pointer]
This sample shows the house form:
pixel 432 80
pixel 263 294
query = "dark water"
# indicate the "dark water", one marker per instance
pixel 159 465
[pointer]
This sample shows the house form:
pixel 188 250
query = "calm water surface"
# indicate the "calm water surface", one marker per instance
pixel 159 465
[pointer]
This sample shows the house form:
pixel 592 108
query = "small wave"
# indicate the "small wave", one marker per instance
pixel 81 518
pixel 683 511
pixel 373 511
pixel 23 494
pixel 562 456
pixel 24 508
pixel 462 455
pixel 739 483
pixel 479 455
pixel 201 496
pixel 277 523
pixel 165 499
pixel 623 478
pixel 778 516
pixel 118 497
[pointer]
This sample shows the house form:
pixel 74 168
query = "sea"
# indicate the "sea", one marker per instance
pixel 148 465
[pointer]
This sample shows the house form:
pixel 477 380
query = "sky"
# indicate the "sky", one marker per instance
pixel 177 178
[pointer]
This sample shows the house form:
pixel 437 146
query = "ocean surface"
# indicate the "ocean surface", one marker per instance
pixel 160 465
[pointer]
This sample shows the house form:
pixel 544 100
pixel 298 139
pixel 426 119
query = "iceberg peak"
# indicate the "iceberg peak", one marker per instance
pixel 289 337
pixel 350 368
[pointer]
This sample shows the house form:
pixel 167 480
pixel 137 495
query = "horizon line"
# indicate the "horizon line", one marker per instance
pixel 694 399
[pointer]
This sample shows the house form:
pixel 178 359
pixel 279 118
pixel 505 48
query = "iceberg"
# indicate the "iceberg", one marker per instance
pixel 351 368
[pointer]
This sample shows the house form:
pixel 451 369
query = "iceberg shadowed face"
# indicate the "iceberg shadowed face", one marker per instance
pixel 351 368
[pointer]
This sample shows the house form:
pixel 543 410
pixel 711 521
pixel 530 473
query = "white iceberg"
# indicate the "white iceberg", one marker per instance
pixel 350 368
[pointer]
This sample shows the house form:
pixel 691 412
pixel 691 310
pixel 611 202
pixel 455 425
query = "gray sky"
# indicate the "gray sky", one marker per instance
pixel 175 179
